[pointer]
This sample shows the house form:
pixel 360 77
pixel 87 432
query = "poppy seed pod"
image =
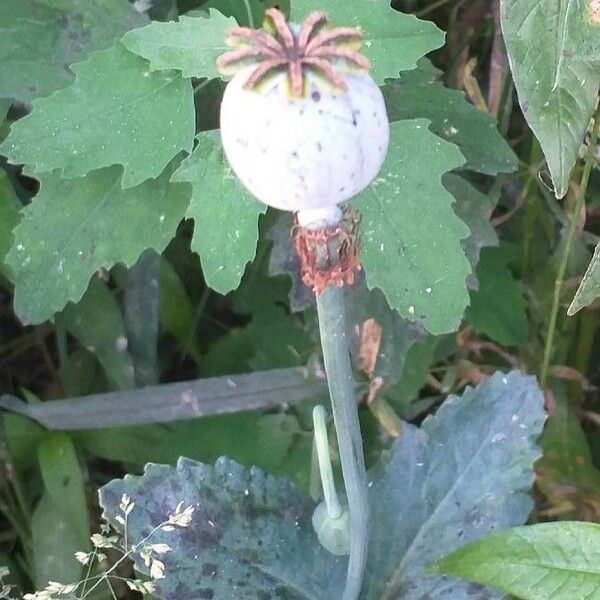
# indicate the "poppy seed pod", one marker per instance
pixel 304 125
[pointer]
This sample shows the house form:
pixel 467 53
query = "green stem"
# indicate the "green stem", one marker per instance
pixel 332 325
pixel 334 508
pixel 250 15
pixel 562 269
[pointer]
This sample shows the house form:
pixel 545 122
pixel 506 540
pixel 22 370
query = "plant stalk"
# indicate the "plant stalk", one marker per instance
pixel 336 355
pixel 562 269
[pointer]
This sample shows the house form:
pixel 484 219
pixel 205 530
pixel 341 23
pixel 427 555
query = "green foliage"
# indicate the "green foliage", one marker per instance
pixel 249 550
pixel 137 259
pixel 115 112
pixel 589 288
pixel 497 308
pixel 39 40
pixel 9 215
pixel 418 94
pixel 97 323
pixel 413 255
pixel 94 232
pixel 554 561
pixel 250 518
pixel 225 214
pixel 60 524
pixel 556 75
pixel 472 464
pixel 393 41
pixel 190 45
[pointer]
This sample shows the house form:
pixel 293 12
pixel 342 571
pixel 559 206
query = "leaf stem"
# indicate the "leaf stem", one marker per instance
pixel 332 326
pixel 562 269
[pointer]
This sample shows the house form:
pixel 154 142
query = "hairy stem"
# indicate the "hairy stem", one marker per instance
pixel 564 261
pixel 332 325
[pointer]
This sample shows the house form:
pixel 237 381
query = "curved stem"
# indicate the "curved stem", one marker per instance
pixel 562 269
pixel 249 13
pixel 334 508
pixel 332 326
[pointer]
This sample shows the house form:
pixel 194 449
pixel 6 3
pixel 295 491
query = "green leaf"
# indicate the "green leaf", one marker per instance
pixel 248 13
pixel 411 236
pixel 9 214
pixel 225 214
pixel 553 48
pixel 173 401
pixel 60 523
pixel 393 41
pixel 397 336
pixel 141 311
pixel 498 308
pixel 39 40
pixel 176 309
pixel 475 209
pixel 116 112
pixel 420 94
pixel 97 323
pixel 588 290
pixel 54 541
pixel 549 561
pixel 75 227
pixel 190 45
pixel 250 536
pixel 465 473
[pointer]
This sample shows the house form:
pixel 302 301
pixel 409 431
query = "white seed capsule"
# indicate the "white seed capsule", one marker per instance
pixel 304 153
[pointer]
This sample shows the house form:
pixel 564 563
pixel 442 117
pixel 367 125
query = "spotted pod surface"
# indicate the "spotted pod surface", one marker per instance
pixel 306 153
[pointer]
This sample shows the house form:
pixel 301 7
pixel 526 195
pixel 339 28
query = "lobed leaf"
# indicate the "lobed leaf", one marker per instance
pixel 393 41
pixel 225 214
pixel 465 473
pixel 115 112
pixel 553 50
pixel 76 226
pixel 420 94
pixel 190 45
pixel 40 39
pixel 547 561
pixel 250 537
pixel 411 236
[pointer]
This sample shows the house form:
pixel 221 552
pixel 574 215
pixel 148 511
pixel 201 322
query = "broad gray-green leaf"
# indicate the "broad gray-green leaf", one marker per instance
pixel 548 561
pixel 76 226
pixel 190 45
pixel 9 214
pixel 250 535
pixel 589 288
pixel 465 473
pixel 97 323
pixel 553 50
pixel 115 112
pixel 498 308
pixel 420 94
pixel 39 40
pixel 411 236
pixel 394 41
pixel 225 214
